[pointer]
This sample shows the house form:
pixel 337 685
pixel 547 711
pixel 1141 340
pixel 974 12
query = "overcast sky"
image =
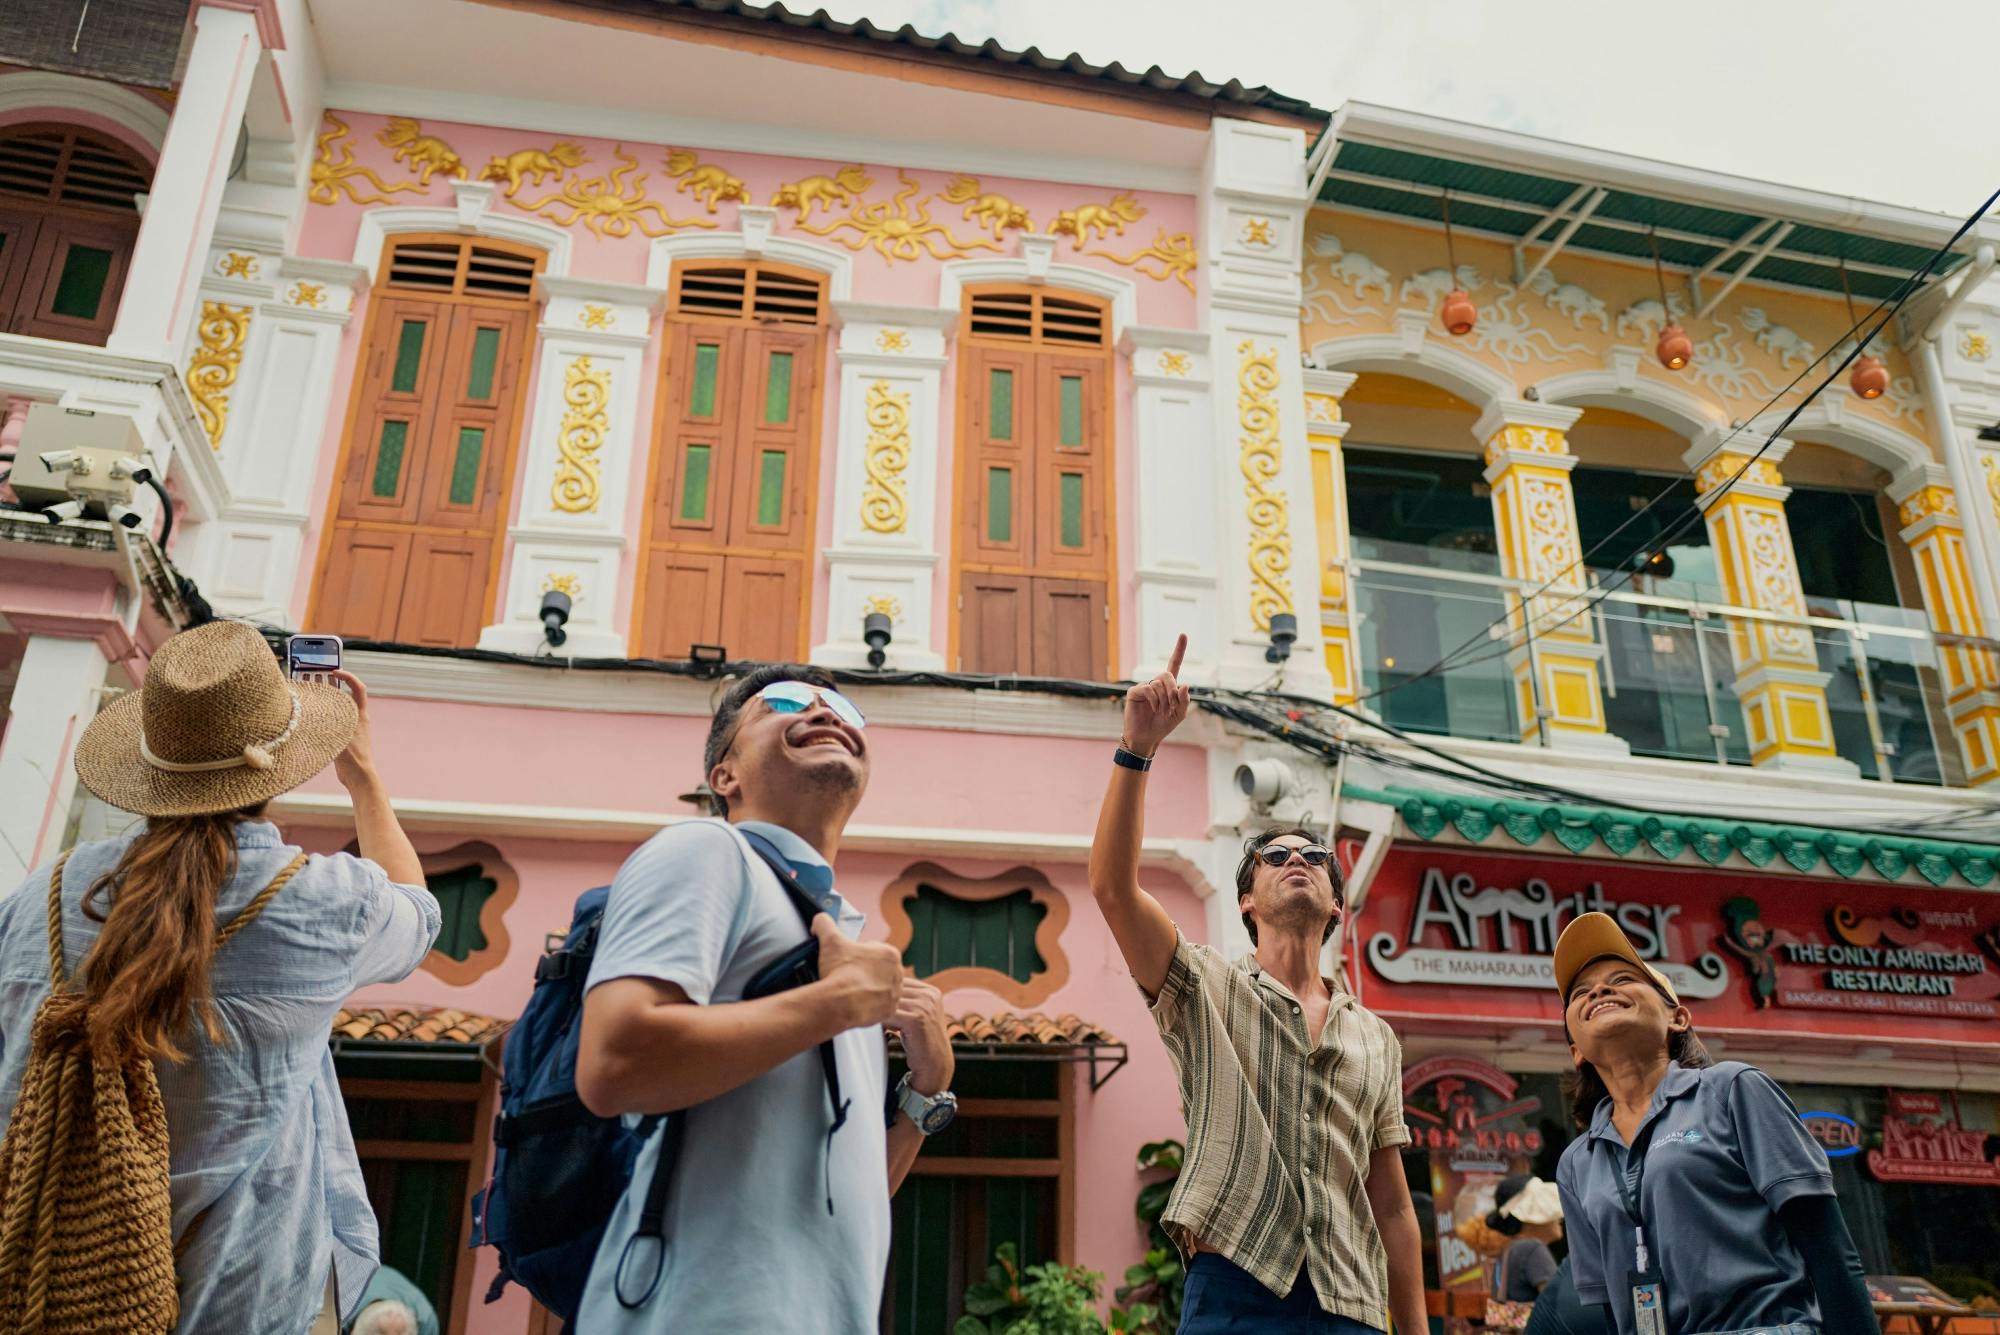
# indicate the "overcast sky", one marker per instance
pixel 1887 100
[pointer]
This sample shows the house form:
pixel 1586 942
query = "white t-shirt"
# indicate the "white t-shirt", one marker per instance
pixel 749 1243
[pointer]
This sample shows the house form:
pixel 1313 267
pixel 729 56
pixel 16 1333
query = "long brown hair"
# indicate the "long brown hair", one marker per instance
pixel 146 976
pixel 1585 1088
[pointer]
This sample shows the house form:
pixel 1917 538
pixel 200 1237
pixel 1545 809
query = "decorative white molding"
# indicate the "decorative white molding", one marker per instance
pixel 836 264
pixel 1523 412
pixel 1038 251
pixel 1827 423
pixel 1681 411
pixel 954 276
pixel 41 90
pixel 1168 358
pixel 378 225
pixel 1429 360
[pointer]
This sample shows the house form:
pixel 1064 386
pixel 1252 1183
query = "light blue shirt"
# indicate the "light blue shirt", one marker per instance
pixel 749 1243
pixel 266 1185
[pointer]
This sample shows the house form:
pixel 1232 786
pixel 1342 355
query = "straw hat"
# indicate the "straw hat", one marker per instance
pixel 216 728
pixel 1537 1202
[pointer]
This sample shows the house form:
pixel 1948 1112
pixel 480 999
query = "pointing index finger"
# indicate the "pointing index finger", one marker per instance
pixel 1180 652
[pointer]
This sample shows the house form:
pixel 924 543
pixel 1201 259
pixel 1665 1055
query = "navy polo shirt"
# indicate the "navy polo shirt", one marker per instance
pixel 1726 1149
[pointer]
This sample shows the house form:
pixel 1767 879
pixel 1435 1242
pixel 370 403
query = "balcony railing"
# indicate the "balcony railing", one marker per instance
pixel 1669 655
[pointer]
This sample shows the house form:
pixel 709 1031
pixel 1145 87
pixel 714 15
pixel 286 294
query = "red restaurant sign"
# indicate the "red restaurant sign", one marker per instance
pixel 1457 935
pixel 1923 1142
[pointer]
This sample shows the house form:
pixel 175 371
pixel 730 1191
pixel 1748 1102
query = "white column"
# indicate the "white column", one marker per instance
pixel 892 508
pixel 55 696
pixel 1173 437
pixel 272 412
pixel 579 466
pixel 159 301
pixel 1253 209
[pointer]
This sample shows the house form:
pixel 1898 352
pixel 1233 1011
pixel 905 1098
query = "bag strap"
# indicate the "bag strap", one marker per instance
pixel 230 929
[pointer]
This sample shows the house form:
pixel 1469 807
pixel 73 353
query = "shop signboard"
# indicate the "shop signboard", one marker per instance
pixel 1470 936
pixel 1471 1117
pixel 1923 1141
pixel 1837 1133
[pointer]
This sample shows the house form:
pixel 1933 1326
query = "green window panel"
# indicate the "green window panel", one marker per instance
pixel 1000 403
pixel 465 465
pixel 409 356
pixel 1069 398
pixel 462 894
pixel 694 484
pixel 1069 498
pixel 389 459
pixel 701 394
pixel 485 352
pixel 80 290
pixel 947 932
pixel 999 505
pixel 778 389
pixel 771 489
pixel 420 1218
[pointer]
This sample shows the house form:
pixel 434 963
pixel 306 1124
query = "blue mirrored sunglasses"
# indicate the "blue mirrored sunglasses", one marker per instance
pixel 796 697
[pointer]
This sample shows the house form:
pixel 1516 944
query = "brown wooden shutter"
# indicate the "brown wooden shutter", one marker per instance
pixel 68 222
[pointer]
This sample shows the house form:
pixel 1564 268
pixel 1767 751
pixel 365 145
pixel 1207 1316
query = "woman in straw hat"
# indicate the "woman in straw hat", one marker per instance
pixel 1695 1200
pixel 269 1215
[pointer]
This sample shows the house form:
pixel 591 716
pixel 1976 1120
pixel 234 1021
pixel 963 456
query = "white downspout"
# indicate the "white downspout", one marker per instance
pixel 1969 489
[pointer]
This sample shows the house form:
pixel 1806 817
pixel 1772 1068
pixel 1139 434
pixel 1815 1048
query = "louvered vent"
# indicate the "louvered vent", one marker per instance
pixel 1038 317
pixel 462 268
pixel 748 292
pixel 60 165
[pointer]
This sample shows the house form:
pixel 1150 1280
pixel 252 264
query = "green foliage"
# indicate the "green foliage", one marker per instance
pixel 1150 1298
pixel 1045 1299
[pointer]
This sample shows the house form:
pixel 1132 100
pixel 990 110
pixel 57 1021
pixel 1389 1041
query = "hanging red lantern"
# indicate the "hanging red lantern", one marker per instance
pixel 1674 348
pixel 1458 312
pixel 1870 378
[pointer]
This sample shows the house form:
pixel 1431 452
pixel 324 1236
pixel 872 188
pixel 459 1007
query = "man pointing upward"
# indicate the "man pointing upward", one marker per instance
pixel 1292 1209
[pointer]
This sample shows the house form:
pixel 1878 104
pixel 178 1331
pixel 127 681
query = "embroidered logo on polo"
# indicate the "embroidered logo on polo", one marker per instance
pixel 1692 1136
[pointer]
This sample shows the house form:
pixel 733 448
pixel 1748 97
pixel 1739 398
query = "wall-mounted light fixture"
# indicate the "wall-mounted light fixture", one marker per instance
pixel 555 612
pixel 1284 634
pixel 875 631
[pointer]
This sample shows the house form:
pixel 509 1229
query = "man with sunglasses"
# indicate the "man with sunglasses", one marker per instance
pixel 1292 1203
pixel 772 1221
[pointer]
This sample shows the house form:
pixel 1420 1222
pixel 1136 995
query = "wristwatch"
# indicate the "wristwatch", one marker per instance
pixel 932 1113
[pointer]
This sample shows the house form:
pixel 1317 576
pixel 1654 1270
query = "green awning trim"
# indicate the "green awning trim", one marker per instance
pixel 1675 838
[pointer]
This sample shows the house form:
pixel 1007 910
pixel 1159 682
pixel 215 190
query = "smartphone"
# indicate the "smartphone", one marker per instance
pixel 311 657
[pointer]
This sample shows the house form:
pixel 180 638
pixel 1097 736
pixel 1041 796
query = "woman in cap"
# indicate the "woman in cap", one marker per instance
pixel 1695 1200
pixel 1528 1211
pixel 269 1215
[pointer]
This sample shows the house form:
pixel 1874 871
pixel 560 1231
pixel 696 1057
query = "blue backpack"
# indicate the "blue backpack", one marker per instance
pixel 559 1169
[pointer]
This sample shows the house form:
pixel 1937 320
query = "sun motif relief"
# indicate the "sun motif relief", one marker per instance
pixel 235 264
pixel 310 295
pixel 1257 232
pixel 892 340
pixel 596 317
pixel 611 206
pixel 898 229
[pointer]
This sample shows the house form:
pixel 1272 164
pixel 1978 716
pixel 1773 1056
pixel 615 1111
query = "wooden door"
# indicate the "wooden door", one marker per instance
pixel 729 523
pixel 76 273
pixel 68 221
pixel 18 230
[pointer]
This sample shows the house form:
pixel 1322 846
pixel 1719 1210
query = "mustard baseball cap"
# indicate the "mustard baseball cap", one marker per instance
pixel 1595 936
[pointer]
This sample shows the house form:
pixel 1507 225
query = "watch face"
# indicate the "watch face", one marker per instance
pixel 938 1116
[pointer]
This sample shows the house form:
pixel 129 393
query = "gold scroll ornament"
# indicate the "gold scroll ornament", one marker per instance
pixel 884 501
pixel 1261 459
pixel 585 394
pixel 212 369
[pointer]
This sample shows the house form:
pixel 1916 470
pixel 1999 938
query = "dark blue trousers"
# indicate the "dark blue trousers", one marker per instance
pixel 1222 1298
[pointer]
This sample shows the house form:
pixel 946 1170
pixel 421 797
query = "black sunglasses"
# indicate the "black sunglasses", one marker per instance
pixel 1277 855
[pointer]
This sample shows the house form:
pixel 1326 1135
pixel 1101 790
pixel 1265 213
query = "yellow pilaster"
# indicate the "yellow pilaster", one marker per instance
pixel 1325 428
pixel 1934 529
pixel 1778 677
pixel 1556 673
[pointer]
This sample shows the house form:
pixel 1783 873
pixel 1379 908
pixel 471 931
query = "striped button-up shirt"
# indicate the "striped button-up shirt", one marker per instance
pixel 1280 1129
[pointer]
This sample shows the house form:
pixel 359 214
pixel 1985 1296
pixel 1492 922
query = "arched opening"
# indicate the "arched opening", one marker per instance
pixel 68 220
pixel 1034 483
pixel 413 540
pixel 729 519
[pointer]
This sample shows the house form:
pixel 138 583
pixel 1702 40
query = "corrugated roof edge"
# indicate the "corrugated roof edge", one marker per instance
pixel 1152 79
pixel 1390 127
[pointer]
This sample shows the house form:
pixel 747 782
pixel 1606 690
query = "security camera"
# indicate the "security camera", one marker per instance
pixel 131 468
pixel 62 461
pixel 1264 782
pixel 127 516
pixel 62 510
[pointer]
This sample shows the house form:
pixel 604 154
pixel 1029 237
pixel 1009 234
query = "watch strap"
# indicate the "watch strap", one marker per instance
pixel 1131 760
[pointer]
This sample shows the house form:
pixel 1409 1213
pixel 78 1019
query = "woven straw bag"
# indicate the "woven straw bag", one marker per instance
pixel 86 1217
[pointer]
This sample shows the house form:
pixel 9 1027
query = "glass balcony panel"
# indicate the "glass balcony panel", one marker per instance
pixel 1719 646
pixel 1475 559
pixel 1410 621
pixel 1909 700
pixel 1848 700
pixel 1654 696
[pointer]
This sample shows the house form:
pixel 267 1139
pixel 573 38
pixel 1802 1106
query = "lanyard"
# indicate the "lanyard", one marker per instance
pixel 1630 1181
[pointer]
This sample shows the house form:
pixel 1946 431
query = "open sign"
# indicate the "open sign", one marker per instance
pixel 1838 1135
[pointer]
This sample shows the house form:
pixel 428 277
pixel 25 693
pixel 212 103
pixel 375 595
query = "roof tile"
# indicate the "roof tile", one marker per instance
pixel 417 1024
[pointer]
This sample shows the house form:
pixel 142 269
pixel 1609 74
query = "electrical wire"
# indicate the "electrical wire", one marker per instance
pixel 1893 303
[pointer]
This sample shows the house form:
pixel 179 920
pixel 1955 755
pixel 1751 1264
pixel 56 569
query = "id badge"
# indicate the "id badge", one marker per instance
pixel 1649 1302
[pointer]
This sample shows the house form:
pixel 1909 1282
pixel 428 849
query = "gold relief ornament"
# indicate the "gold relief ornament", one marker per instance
pixel 536 163
pixel 1973 346
pixel 1927 502
pixel 1261 461
pixel 892 340
pixel 1257 232
pixel 1322 408
pixel 425 154
pixel 842 188
pixel 596 317
pixel 611 206
pixel 886 604
pixel 1519 439
pixel 1092 222
pixel 994 212
pixel 1174 363
pixel 565 583
pixel 1732 468
pixel 1168 257
pixel 705 181
pixel 1991 464
pixel 212 369
pixel 235 264
pixel 336 174
pixel 884 500
pixel 585 393
pixel 310 295
pixel 898 228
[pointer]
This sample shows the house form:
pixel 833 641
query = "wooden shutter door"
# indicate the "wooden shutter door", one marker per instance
pixel 1070 453
pixel 74 278
pixel 1069 629
pixel 362 593
pixel 760 607
pixel 995 624
pixel 18 230
pixel 998 527
pixel 683 603
pixel 768 505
